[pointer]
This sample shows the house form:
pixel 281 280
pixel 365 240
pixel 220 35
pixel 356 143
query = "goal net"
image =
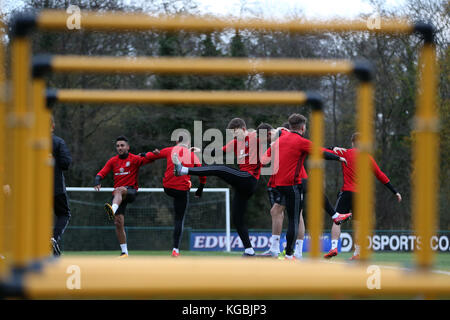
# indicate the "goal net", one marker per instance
pixel 148 220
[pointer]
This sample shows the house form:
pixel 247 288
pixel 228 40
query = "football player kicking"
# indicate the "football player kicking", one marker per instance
pixel 345 198
pixel 244 181
pixel 178 187
pixel 125 167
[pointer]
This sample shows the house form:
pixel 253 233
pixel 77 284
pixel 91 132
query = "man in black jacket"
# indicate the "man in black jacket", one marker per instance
pixel 63 159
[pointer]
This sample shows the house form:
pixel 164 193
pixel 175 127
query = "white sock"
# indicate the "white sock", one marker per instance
pixel 334 216
pixel 275 246
pixel 356 250
pixel 334 244
pixel 249 251
pixel 184 171
pixel 176 250
pixel 299 248
pixel 124 248
pixel 115 207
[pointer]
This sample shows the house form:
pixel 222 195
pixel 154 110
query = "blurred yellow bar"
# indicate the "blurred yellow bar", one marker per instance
pixel 195 65
pixel 103 21
pixel 315 184
pixel 43 174
pixel 21 122
pixel 205 278
pixel 426 157
pixel 180 97
pixel 3 155
pixel 364 173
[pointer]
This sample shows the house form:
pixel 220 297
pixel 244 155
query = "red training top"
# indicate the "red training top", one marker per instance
pixel 349 170
pixel 125 170
pixel 187 158
pixel 303 174
pixel 246 153
pixel 290 151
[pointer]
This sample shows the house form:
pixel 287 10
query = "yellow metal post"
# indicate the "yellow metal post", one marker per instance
pixel 426 157
pixel 21 121
pixel 3 155
pixel 315 183
pixel 364 196
pixel 43 173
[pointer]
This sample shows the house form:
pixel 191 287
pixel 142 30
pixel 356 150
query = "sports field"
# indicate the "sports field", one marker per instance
pixel 403 260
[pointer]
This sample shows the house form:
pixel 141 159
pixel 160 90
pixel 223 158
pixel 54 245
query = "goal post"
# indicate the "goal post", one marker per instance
pixel 226 197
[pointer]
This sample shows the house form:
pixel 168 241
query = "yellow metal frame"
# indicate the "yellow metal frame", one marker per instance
pixel 43 178
pixel 219 98
pixel 426 156
pixel 2 158
pixel 180 97
pixel 163 278
pixel 50 20
pixel 364 200
pixel 227 97
pixel 167 65
pixel 312 67
pixel 315 184
pixel 21 121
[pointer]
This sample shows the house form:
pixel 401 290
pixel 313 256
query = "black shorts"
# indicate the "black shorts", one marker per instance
pixel 276 196
pixel 129 198
pixel 344 202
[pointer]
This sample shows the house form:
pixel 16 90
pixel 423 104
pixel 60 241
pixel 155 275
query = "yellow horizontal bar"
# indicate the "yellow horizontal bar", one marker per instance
pixel 200 65
pixel 57 20
pixel 180 97
pixel 221 277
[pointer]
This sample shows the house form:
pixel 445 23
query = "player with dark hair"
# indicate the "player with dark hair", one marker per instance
pixel 266 129
pixel 345 198
pixel 125 167
pixel 288 154
pixel 244 181
pixel 178 187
